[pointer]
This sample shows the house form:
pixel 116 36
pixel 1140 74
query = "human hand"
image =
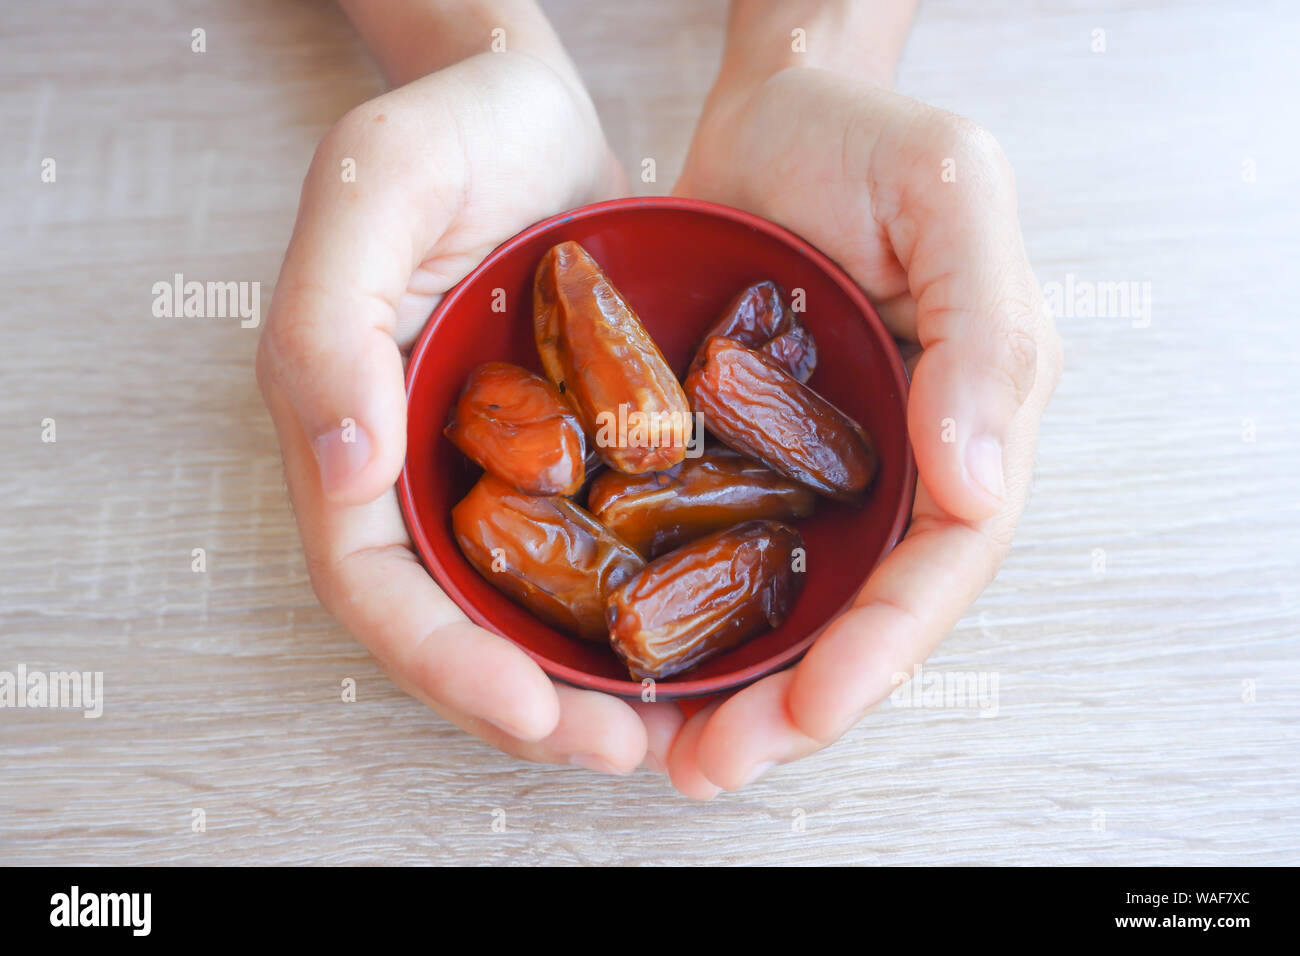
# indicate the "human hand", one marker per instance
pixel 446 168
pixel 859 172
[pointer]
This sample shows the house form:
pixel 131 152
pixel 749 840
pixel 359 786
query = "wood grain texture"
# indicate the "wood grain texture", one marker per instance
pixel 1121 734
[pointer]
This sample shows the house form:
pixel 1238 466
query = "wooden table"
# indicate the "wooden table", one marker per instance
pixel 1143 631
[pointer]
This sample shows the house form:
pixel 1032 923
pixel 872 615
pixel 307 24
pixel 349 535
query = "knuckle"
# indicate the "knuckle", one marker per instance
pixel 285 342
pixel 1016 354
pixel 1000 538
pixel 363 123
pixel 1053 353
pixel 322 573
pixel 981 149
pixel 1022 364
pixel 338 143
pixel 371 133
pixel 979 157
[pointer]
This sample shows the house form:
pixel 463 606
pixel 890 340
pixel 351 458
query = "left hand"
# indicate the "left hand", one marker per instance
pixel 447 167
pixel 858 171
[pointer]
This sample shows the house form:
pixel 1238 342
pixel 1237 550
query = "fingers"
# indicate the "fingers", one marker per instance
pixel 596 732
pixel 365 574
pixel 683 764
pixel 906 608
pixel 979 315
pixel 911 601
pixel 751 733
pixel 592 731
pixel 478 680
pixel 415 631
pixel 662 720
pixel 342 374
pixel 329 342
pixel 966 390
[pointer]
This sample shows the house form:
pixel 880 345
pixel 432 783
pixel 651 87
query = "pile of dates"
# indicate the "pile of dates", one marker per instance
pixel 602 511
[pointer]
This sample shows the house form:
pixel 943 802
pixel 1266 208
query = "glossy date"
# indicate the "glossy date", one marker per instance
pixel 757 408
pixel 657 512
pixel 599 355
pixel 759 318
pixel 517 426
pixel 546 553
pixel 705 598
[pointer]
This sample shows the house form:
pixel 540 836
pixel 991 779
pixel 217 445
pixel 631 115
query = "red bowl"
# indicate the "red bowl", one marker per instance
pixel 678 262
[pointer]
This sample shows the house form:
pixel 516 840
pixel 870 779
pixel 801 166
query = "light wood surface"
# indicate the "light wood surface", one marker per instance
pixel 1154 579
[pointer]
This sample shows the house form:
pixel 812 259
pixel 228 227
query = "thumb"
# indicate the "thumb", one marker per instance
pixel 341 371
pixel 966 390
pixel 329 340
pixel 982 324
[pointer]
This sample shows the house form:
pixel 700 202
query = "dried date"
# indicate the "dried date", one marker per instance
pixel 599 355
pixel 659 511
pixel 706 598
pixel 759 318
pixel 516 426
pixel 546 553
pixel 759 409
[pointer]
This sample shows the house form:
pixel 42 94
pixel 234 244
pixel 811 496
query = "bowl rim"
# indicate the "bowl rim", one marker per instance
pixel 663 690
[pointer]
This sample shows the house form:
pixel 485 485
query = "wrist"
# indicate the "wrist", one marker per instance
pixel 412 38
pixel 859 38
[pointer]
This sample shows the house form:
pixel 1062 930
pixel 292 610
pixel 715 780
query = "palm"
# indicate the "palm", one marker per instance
pixel 813 174
pixel 782 149
pixel 529 148
pixel 830 177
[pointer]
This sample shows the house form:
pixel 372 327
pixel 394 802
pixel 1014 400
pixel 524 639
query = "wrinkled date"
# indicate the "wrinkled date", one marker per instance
pixel 759 318
pixel 757 408
pixel 517 426
pixel 546 553
pixel 598 354
pixel 705 598
pixel 657 512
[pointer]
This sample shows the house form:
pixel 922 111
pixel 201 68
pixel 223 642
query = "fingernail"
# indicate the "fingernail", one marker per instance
pixel 592 762
pixel 984 464
pixel 651 762
pixel 758 771
pixel 341 454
